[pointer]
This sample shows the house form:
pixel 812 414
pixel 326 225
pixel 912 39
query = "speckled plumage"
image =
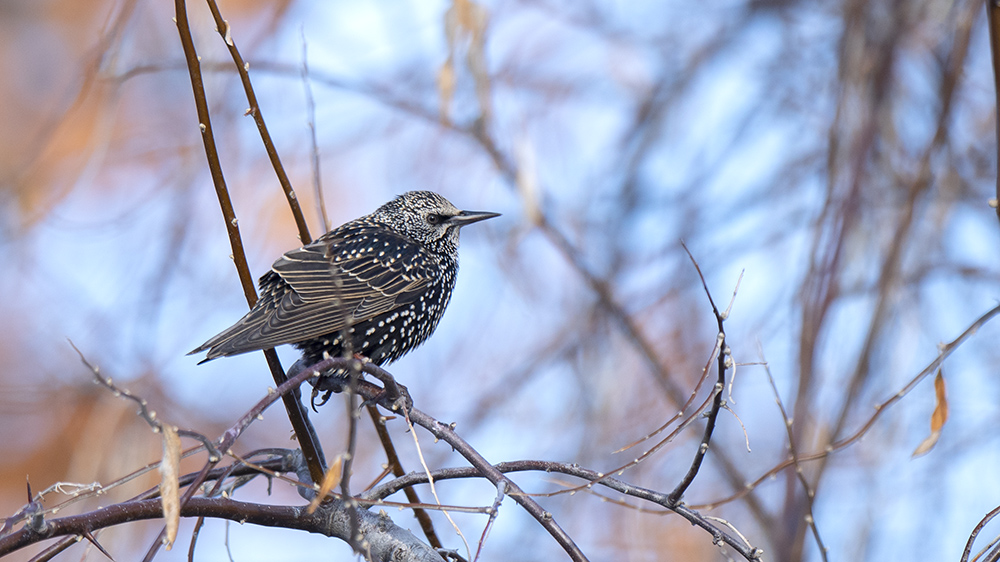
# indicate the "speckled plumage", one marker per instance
pixel 386 278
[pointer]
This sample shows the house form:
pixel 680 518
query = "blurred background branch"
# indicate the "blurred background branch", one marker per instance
pixel 843 154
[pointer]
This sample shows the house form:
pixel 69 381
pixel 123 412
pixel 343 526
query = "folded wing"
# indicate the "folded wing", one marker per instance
pixel 346 277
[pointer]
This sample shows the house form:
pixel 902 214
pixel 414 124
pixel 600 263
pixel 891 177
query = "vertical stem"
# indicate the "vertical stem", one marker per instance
pixel 304 431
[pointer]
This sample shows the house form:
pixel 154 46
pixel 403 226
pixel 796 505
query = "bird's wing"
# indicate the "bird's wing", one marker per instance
pixel 365 272
pixel 346 276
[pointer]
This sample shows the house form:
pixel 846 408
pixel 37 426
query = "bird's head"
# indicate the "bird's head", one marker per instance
pixel 428 219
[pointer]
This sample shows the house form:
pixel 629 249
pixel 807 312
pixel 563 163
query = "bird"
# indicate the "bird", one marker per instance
pixel 382 280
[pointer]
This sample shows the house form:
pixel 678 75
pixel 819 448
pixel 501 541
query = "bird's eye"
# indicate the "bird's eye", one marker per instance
pixel 434 218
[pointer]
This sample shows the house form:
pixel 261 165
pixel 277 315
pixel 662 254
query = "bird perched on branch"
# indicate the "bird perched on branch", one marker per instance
pixel 382 280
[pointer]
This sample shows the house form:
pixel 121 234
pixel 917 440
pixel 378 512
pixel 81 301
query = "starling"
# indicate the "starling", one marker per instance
pixel 384 280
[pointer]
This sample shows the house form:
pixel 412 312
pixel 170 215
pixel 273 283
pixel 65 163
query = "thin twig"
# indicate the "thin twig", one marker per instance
pixel 297 415
pixel 793 451
pixel 993 23
pixel 694 416
pixel 593 477
pixel 324 220
pixel 944 352
pixel 720 385
pixel 145 413
pixel 494 511
pixel 447 434
pixel 975 532
pixel 350 399
pixel 603 289
pixel 396 466
pixel 713 356
pixel 243 67
pixel 229 438
pixel 430 482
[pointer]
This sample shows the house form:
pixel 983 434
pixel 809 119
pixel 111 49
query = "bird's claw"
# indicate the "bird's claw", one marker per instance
pixel 398 401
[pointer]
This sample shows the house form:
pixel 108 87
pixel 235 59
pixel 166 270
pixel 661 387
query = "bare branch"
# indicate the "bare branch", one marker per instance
pixel 304 430
pixel 383 539
pixel 592 476
pixel 243 68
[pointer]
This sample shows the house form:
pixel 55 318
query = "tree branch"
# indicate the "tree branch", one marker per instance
pixel 383 539
pixel 297 415
pixel 747 551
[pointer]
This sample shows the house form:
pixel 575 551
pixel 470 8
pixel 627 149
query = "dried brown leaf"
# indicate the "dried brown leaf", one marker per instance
pixel 330 481
pixel 465 25
pixel 938 418
pixel 446 89
pixel 170 493
pixel 940 414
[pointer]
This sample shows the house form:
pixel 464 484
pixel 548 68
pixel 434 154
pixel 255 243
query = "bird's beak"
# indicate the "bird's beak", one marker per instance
pixel 468 217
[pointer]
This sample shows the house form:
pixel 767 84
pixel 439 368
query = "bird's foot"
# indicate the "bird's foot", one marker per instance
pixel 326 394
pixel 395 398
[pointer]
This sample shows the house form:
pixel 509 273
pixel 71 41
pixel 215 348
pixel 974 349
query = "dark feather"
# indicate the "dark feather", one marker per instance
pixel 384 280
pixel 311 294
